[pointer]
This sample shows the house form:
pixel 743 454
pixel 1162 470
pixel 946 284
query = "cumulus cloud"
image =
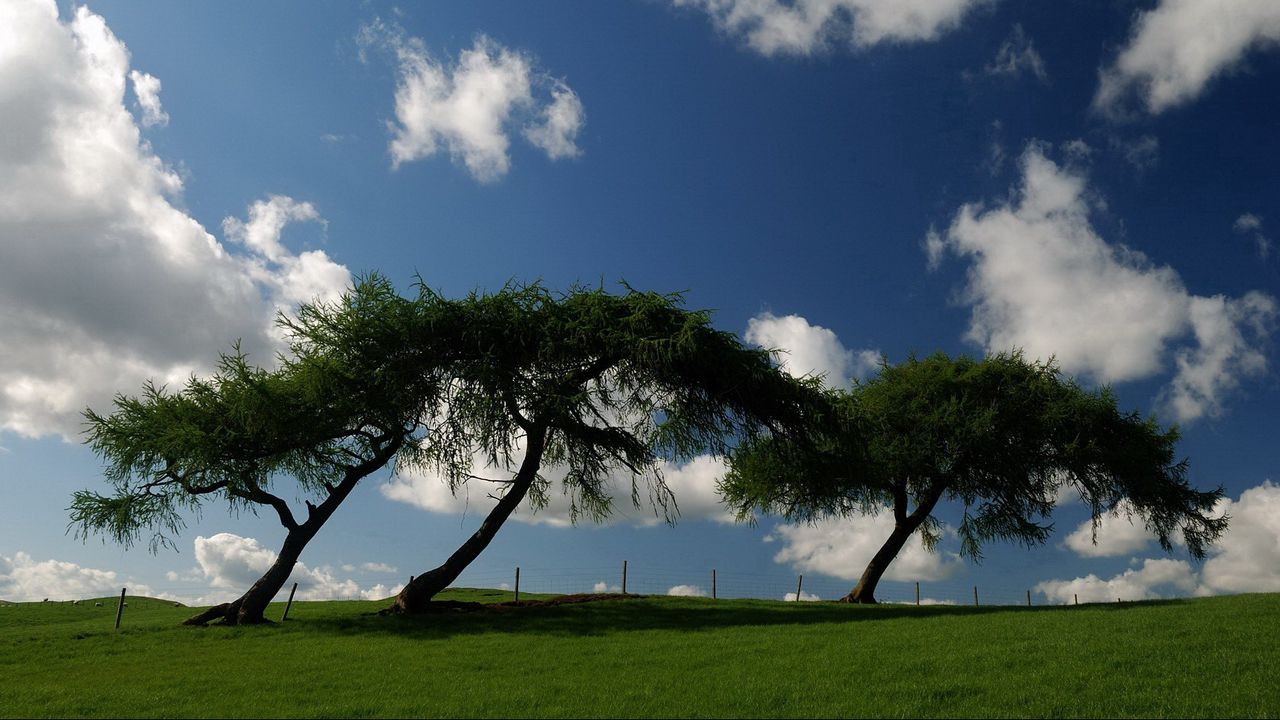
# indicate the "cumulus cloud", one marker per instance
pixel 693 484
pixel 559 124
pixel 1155 578
pixel 146 88
pixel 1247 558
pixel 604 587
pixel 1043 280
pixel 842 547
pixel 24 579
pixel 805 27
pixel 468 108
pixel 377 567
pixel 231 563
pixel 1017 55
pixel 106 281
pixel 687 591
pixel 1177 48
pixel 805 349
pixel 1117 534
pixel 804 597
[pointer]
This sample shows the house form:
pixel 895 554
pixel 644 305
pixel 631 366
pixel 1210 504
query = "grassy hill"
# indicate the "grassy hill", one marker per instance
pixel 653 656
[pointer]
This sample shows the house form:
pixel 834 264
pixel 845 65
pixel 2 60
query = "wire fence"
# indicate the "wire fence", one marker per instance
pixel 627 577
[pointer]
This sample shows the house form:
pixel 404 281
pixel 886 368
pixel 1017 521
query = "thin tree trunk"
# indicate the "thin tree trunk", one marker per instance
pixel 415 596
pixel 249 608
pixel 865 590
pixel 903 525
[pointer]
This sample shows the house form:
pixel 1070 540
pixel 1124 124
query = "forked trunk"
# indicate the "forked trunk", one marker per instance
pixel 249 609
pixel 865 591
pixel 417 594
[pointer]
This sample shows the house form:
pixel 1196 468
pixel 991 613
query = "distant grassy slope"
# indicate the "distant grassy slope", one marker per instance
pixel 651 657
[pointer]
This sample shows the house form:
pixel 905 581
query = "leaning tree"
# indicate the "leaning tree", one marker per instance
pixel 346 400
pixel 1002 436
pixel 603 387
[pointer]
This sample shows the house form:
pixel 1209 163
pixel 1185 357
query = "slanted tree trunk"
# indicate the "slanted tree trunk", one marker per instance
pixel 903 525
pixel 249 608
pixel 865 590
pixel 415 596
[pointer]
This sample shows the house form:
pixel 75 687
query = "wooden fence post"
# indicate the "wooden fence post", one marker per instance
pixel 917 594
pixel 1028 598
pixel 290 603
pixel 1077 597
pixel 713 583
pixel 517 583
pixel 975 596
pixel 120 608
pixel 799 583
pixel 624 577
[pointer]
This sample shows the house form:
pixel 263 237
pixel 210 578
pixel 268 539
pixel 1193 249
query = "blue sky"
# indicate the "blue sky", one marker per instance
pixel 1092 181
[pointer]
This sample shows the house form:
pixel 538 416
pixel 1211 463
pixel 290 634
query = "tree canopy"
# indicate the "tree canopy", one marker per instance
pixel 600 385
pixel 1002 436
pixel 346 399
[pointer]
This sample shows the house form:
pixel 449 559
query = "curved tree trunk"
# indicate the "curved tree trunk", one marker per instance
pixel 249 609
pixel 865 590
pixel 416 595
pixel 903 525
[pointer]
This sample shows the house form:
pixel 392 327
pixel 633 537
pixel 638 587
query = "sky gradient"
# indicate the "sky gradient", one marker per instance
pixel 841 180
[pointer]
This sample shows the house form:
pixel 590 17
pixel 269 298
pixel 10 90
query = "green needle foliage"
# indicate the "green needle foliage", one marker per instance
pixel 1001 436
pixel 599 385
pixel 347 399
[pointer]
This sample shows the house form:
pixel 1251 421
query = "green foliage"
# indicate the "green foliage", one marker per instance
pixel 654 657
pixel 346 397
pixel 615 382
pixel 1002 436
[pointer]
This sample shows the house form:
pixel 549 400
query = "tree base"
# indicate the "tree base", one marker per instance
pixel 226 614
pixel 858 599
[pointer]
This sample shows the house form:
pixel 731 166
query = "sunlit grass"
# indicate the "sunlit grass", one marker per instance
pixel 649 657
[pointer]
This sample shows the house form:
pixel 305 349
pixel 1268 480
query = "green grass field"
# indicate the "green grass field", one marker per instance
pixel 657 656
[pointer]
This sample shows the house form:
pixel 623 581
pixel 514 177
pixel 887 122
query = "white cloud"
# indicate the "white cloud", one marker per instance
pixel 1251 224
pixel 1016 56
pixel 1247 222
pixel 146 88
pixel 106 281
pixel 804 597
pixel 842 547
pixel 693 485
pixel 604 587
pixel 1118 534
pixel 24 579
pixel 1247 557
pixel 1043 280
pixel 467 109
pixel 807 349
pixel 231 563
pixel 377 567
pixel 805 27
pixel 561 121
pixel 687 591
pixel 1156 578
pixel 1177 48
pixel 1142 153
